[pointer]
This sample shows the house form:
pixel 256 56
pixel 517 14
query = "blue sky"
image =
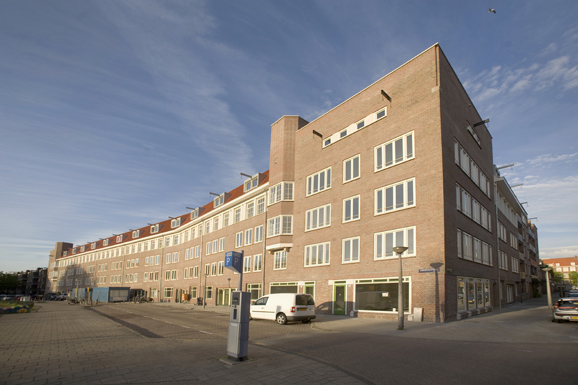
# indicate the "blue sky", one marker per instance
pixel 118 113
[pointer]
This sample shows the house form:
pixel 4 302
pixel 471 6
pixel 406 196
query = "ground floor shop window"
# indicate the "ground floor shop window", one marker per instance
pixel 169 291
pixel 380 294
pixel 154 292
pixel 193 292
pixel 255 290
pixel 473 293
pixel 310 288
pixel 283 287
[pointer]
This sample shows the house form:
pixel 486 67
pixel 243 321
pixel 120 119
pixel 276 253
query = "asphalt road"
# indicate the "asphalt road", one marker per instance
pixel 184 344
pixel 517 346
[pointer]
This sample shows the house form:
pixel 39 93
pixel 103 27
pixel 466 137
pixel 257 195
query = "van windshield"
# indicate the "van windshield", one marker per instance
pixel 304 300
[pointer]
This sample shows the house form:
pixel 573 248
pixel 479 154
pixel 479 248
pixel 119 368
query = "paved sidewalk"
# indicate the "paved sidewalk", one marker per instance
pixel 63 344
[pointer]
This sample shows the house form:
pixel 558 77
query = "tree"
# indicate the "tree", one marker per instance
pixel 557 277
pixel 8 283
pixel 573 278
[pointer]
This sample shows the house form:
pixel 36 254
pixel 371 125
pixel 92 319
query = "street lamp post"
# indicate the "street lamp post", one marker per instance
pixel 549 294
pixel 399 250
pixel 205 298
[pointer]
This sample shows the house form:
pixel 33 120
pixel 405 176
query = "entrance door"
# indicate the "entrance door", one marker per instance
pixel 339 303
pixel 224 297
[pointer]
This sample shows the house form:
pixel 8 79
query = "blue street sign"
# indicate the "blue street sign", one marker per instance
pixel 234 261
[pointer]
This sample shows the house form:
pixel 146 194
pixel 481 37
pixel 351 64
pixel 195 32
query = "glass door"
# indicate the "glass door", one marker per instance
pixel 339 300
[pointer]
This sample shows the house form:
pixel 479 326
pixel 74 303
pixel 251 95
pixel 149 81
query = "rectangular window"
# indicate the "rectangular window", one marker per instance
pixel 196 271
pixel 395 197
pixel 281 192
pixel 237 215
pixel 175 257
pixel 208 248
pixel 351 169
pixel 239 239
pixel 250 209
pixel 318 217
pixel 318 254
pixel 280 260
pixel 214 268
pixel 319 181
pixel 350 250
pixel 261 205
pixel 396 151
pixel 468 247
pixel 221 268
pixel 259 234
pixel 247 264
pixel 222 244
pixel 387 240
pixel 257 262
pixel 351 209
pixel 248 237
pixel 215 245
pixel 282 224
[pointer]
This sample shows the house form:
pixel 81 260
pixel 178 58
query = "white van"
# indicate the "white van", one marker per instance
pixel 283 307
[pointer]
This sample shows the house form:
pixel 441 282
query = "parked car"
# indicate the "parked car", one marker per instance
pixel 6 297
pixel 284 307
pixel 60 297
pixel 565 309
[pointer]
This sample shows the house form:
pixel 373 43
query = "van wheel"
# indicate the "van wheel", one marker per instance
pixel 306 321
pixel 281 319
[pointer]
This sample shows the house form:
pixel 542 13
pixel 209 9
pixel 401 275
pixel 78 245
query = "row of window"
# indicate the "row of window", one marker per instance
pixel 473 249
pixel 247 239
pixel 462 159
pixel 353 128
pixel 389 154
pixel 470 207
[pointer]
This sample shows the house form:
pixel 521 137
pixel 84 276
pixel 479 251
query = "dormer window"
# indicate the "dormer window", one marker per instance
pixel 81 248
pixel 195 213
pixel 93 245
pixel 105 242
pixel 64 253
pixel 135 234
pixel 252 182
pixel 118 238
pixel 155 228
pixel 176 222
pixel 218 201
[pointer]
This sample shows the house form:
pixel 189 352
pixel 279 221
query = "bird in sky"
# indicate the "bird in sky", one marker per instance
pixel 492 10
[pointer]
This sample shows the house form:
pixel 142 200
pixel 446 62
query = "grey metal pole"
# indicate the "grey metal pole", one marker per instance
pixel 240 288
pixel 400 296
pixel 400 250
pixel 548 288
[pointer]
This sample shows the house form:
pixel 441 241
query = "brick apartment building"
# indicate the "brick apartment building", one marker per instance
pixel 563 265
pixel 405 162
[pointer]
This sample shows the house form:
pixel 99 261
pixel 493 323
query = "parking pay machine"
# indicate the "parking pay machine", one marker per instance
pixel 238 340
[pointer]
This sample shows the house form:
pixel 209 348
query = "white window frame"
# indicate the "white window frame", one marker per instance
pixel 382 251
pixel 407 152
pixel 351 202
pixel 408 197
pixel 352 166
pixel 318 254
pixel 318 217
pixel 350 248
pixel 323 180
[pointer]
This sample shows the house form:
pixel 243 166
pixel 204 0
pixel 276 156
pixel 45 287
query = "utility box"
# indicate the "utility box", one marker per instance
pixel 238 340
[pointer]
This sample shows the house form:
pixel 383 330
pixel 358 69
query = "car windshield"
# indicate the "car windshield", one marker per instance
pixel 568 304
pixel 304 300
